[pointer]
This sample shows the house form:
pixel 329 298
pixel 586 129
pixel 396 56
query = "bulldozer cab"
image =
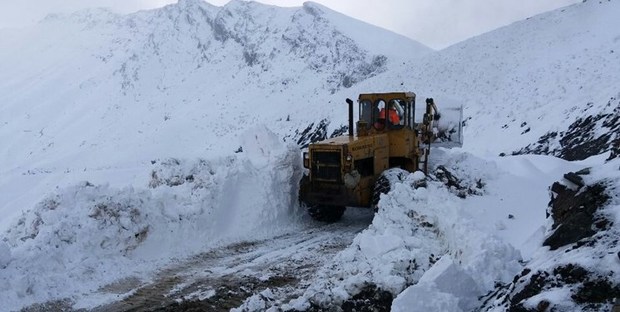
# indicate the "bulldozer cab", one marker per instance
pixel 384 112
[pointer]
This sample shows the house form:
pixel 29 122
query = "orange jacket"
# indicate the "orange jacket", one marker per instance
pixel 394 119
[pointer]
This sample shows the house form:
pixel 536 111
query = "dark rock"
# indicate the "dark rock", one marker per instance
pixel 579 141
pixel 542 306
pixel 596 291
pixel 615 149
pixel 519 308
pixel 571 274
pixel 536 284
pixel 340 131
pixel 312 134
pixel 574 178
pixel 449 179
pixel 573 213
pixel 584 171
pixel 54 305
pixel 577 226
pixel 370 299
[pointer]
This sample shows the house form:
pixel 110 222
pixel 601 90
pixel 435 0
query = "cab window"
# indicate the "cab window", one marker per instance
pixel 366 112
pixel 379 115
pixel 396 113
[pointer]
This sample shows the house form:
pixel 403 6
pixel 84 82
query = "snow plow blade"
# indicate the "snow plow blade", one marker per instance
pixel 448 129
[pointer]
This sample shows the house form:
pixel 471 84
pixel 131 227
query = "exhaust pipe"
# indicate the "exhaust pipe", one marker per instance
pixel 350 102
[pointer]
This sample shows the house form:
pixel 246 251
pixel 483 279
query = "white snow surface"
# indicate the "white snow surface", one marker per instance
pixel 83 236
pixel 130 141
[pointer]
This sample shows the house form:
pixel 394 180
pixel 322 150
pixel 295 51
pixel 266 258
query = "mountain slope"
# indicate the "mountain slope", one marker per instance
pixel 540 75
pixel 103 81
pixel 94 90
pixel 529 80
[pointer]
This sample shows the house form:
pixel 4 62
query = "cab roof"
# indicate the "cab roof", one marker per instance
pixel 386 96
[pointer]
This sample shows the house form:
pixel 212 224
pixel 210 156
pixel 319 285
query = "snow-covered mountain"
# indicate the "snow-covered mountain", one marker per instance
pixel 114 79
pixel 76 89
pixel 184 120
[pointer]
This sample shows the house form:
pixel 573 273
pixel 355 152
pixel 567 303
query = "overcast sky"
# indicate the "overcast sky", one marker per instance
pixel 436 23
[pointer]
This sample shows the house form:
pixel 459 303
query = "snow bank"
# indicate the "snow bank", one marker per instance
pixel 391 253
pixel 413 228
pixel 84 236
pixel 425 243
pixel 474 261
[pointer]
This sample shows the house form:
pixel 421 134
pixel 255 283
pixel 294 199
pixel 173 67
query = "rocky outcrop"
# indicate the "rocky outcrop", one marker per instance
pixel 574 211
pixel 587 136
pixel 582 241
pixel 316 133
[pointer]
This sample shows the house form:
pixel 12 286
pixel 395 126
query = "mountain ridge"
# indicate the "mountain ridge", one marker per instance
pixel 170 61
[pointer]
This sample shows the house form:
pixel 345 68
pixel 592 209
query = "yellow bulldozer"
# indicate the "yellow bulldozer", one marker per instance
pixel 343 171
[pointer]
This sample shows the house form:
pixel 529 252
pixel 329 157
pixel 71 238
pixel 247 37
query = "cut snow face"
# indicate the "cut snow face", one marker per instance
pixel 86 235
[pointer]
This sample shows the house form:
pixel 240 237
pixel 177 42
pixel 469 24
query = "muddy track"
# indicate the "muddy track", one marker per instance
pixel 224 278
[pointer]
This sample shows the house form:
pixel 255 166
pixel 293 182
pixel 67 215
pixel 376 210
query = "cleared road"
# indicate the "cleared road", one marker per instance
pixel 224 278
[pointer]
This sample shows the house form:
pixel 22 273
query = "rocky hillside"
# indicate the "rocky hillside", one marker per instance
pixel 592 134
pixel 577 272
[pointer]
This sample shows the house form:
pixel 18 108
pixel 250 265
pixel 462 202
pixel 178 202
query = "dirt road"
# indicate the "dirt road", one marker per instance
pixel 224 278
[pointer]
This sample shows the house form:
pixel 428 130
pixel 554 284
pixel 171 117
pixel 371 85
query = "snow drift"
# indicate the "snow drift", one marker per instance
pixel 81 237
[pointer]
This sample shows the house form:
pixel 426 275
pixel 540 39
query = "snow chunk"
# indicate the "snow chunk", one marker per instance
pixel 381 244
pixel 444 287
pixel 257 302
pixel 425 298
